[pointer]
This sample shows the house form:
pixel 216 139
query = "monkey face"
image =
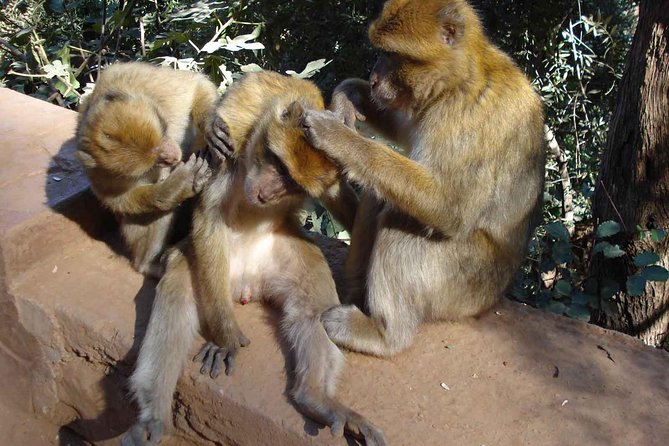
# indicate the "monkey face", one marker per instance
pixel 422 44
pixel 124 136
pixel 269 184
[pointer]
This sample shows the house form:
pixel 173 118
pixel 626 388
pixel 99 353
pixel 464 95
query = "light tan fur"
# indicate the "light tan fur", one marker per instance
pixel 137 135
pixel 439 233
pixel 246 244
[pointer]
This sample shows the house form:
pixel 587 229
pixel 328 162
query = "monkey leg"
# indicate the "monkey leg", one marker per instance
pixel 146 237
pixel 318 364
pixel 169 336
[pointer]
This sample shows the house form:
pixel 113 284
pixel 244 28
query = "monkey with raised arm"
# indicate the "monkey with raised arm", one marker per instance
pixel 439 233
pixel 247 244
pixel 138 136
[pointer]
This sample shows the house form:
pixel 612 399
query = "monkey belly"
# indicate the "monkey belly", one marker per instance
pixel 250 264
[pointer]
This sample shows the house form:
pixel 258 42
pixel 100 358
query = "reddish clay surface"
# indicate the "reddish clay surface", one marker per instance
pixel 72 313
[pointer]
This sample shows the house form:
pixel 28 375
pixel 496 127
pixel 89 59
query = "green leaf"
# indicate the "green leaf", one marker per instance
pixel 635 285
pixel 613 251
pixel 590 286
pixel 646 258
pixel 607 229
pixel 558 231
pixel 609 288
pixel 578 312
pixel 561 252
pixel 583 299
pixel 563 287
pixel 655 273
pixel 599 247
pixel 657 235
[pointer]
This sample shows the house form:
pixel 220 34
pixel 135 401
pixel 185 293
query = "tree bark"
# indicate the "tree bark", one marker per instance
pixel 633 185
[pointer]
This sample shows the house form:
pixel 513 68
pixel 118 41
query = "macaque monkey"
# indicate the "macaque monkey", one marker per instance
pixel 138 134
pixel 247 244
pixel 440 233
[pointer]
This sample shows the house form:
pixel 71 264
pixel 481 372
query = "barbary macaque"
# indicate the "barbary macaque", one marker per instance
pixel 247 244
pixel 138 135
pixel 439 233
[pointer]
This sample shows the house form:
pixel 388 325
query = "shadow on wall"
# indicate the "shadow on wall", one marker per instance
pixel 68 194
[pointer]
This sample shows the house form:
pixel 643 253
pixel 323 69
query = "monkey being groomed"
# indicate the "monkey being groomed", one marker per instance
pixel 246 244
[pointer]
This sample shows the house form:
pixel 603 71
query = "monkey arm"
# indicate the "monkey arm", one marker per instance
pixel 211 281
pixel 351 101
pixel 409 186
pixel 205 100
pixel 184 181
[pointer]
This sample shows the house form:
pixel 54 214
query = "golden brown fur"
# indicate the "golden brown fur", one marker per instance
pixel 439 233
pixel 310 169
pixel 247 244
pixel 136 129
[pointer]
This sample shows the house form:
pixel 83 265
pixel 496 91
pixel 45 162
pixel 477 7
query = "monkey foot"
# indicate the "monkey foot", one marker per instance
pixel 144 434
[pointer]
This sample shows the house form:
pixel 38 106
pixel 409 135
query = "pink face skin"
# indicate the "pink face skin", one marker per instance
pixel 268 186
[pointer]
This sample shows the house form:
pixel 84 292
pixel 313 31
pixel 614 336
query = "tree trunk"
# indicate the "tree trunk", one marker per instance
pixel 633 186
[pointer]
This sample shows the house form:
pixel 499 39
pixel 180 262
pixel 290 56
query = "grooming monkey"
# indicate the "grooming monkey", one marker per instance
pixel 246 244
pixel 440 233
pixel 135 130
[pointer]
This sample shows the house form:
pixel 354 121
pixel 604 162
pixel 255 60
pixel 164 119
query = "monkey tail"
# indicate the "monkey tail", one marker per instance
pixel 318 364
pixel 169 336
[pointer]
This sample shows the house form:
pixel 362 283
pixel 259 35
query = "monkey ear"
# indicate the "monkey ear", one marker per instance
pixel 451 25
pixel 292 113
pixel 86 159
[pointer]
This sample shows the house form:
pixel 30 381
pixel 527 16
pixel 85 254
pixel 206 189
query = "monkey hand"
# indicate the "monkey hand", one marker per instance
pixel 346 103
pixel 202 172
pixel 221 144
pixel 213 354
pixel 324 131
pixel 191 176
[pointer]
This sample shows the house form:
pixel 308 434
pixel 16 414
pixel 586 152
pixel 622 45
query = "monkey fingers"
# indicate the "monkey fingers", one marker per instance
pixel 212 357
pixel 202 172
pixel 344 108
pixel 219 140
pixel 321 128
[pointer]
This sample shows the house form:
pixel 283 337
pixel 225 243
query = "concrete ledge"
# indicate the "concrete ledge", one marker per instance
pixel 72 313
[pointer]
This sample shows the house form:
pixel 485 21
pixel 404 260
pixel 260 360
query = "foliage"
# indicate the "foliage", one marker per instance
pixel 573 50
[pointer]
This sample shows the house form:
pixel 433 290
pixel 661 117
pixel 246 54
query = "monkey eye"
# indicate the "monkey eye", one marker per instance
pixel 274 160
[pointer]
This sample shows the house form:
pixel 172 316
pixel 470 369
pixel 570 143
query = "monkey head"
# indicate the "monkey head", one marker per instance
pixel 124 135
pixel 424 48
pixel 281 164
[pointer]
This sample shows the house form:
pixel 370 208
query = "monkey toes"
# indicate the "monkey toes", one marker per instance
pixel 144 434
